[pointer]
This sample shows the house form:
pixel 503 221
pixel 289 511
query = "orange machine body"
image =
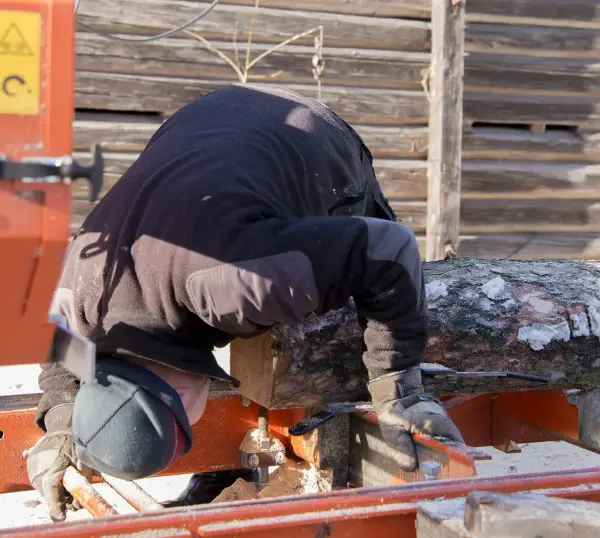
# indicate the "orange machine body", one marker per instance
pixel 36 114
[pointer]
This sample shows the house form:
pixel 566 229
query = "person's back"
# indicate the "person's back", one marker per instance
pixel 198 196
pixel 250 207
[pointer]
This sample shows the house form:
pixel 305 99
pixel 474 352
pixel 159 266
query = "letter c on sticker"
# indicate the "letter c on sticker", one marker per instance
pixel 7 83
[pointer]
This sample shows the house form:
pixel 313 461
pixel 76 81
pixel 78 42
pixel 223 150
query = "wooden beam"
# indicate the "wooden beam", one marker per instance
pixel 445 127
pixel 536 317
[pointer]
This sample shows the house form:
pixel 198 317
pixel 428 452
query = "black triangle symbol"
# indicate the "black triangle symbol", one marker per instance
pixel 13 43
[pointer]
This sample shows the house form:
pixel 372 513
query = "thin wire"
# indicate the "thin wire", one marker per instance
pixel 152 37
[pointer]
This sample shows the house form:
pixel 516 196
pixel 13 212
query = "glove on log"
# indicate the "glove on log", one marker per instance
pixel 50 457
pixel 403 409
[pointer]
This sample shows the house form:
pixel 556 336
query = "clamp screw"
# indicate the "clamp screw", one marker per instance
pixel 253 460
pixel 431 469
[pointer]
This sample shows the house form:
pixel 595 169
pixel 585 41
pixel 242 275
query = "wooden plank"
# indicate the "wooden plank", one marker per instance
pixel 543 215
pixel 531 246
pixel 126 132
pixel 491 142
pixel 167 94
pixel 186 57
pixel 509 108
pixel 407 179
pixel 319 360
pixel 522 179
pixel 115 132
pixel 532 73
pixel 378 8
pixel 445 127
pixel 579 10
pixel 272 25
pixel 538 40
pixel 398 178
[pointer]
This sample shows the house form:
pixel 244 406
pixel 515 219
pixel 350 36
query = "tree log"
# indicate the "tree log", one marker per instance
pixel 535 317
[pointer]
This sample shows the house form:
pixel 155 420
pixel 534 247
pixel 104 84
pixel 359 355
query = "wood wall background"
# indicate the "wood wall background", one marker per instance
pixel 531 148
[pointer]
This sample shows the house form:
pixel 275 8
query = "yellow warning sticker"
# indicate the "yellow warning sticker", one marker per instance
pixel 20 42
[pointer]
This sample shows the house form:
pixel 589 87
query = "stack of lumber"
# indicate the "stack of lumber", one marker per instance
pixel 531 100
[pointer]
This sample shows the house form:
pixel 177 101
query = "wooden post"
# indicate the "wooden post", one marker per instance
pixel 445 127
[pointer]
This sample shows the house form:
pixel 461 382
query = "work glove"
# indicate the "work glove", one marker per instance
pixel 403 409
pixel 50 457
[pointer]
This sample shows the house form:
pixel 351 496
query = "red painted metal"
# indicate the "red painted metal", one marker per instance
pixel 389 511
pixel 521 417
pixel 82 491
pixel 133 493
pixel 217 437
pixel 34 218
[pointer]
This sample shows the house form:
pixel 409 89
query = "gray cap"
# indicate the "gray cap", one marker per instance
pixel 128 422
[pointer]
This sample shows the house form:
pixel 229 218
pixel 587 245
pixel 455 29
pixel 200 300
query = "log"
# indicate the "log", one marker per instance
pixel 445 127
pixel 537 317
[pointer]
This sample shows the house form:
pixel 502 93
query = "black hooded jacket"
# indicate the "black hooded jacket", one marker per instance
pixel 250 207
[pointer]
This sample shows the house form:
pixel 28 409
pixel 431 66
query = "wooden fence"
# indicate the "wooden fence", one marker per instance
pixel 531 139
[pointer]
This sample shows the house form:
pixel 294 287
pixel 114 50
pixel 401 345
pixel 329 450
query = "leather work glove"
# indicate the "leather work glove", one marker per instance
pixel 403 409
pixel 50 457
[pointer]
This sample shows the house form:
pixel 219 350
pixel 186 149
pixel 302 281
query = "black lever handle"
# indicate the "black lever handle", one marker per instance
pixel 94 173
pixel 69 168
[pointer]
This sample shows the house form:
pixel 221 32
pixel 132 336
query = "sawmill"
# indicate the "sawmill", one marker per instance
pixel 513 348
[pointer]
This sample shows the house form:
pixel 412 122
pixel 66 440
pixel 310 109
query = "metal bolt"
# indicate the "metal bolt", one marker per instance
pixel 253 460
pixel 431 470
pixel 280 458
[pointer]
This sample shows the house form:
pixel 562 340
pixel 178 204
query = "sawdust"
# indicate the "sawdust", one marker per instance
pixel 296 478
pixel 240 490
pixel 291 478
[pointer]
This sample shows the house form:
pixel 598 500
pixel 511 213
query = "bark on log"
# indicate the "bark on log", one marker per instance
pixel 536 317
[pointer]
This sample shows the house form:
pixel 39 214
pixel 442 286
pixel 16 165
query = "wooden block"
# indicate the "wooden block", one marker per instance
pixel 500 515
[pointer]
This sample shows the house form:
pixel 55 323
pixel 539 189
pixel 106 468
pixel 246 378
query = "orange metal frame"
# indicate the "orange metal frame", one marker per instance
pixel 34 217
pixel 388 510
pixel 484 420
